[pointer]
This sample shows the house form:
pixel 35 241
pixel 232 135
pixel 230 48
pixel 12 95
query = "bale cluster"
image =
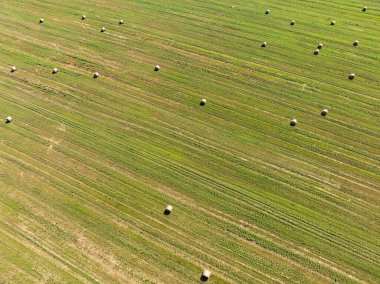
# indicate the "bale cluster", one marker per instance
pixel 324 112
pixel 205 275
pixel 203 102
pixel 103 29
pixel 364 9
pixel 292 23
pixel 267 12
pixel 121 22
pixel 84 17
pixel 8 119
pixel 157 68
pixel 42 21
pixel 293 122
pixel 13 69
pixel 168 210
pixel 356 43
pixel 332 23
pixel 264 44
pixel 96 75
pixel 54 71
pixel 351 76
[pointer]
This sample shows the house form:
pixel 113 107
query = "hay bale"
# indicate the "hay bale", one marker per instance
pixel 264 44
pixel 205 275
pixel 332 23
pixel 316 52
pixel 96 75
pixel 324 112
pixel 267 12
pixel 293 122
pixel 8 119
pixel 168 210
pixel 103 29
pixel 42 21
pixel 121 22
pixel 54 71
pixel 203 102
pixel 351 76
pixel 356 43
pixel 13 69
pixel 157 68
pixel 320 46
pixel 292 23
pixel 364 9
pixel 84 17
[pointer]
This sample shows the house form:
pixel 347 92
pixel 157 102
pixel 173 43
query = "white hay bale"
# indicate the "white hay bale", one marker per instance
pixel 332 23
pixel 9 119
pixel 42 21
pixel 293 122
pixel 320 46
pixel 324 112
pixel 102 30
pixel 96 75
pixel 316 52
pixel 264 44
pixel 267 12
pixel 356 43
pixel 13 69
pixel 168 210
pixel 84 17
pixel 364 9
pixel 292 23
pixel 205 275
pixel 121 22
pixel 351 76
pixel 55 70
pixel 157 68
pixel 203 102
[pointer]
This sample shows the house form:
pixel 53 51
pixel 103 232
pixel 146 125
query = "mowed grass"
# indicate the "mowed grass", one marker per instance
pixel 88 165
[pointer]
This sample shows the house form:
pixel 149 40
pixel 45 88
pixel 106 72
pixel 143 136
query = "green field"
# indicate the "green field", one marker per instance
pixel 88 165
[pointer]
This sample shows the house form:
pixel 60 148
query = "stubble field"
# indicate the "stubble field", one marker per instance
pixel 88 165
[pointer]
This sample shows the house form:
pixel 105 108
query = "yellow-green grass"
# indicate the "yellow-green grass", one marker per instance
pixel 88 165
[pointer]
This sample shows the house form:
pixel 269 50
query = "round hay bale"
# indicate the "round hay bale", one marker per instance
pixel 332 23
pixel 8 119
pixel 121 22
pixel 316 52
pixel 364 9
pixel 264 44
pixel 103 29
pixel 320 46
pixel 293 122
pixel 351 76
pixel 42 21
pixel 54 71
pixel 13 69
pixel 168 210
pixel 356 43
pixel 324 112
pixel 157 68
pixel 267 12
pixel 205 275
pixel 96 75
pixel 203 102
pixel 292 23
pixel 84 17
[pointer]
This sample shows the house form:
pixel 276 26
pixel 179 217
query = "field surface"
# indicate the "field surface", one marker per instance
pixel 87 166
